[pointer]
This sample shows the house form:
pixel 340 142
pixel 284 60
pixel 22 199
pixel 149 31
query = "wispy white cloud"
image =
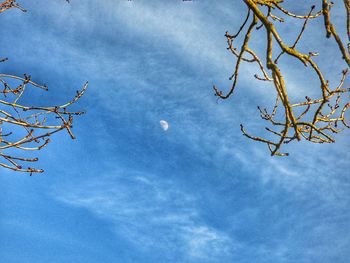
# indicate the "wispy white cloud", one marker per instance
pixel 181 27
pixel 311 170
pixel 151 213
pixel 205 243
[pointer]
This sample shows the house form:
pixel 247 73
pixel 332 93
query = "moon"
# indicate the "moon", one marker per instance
pixel 164 124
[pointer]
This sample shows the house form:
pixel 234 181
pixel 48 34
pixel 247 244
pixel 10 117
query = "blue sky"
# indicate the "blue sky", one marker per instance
pixel 127 191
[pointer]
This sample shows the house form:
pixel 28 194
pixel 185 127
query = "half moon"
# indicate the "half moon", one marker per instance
pixel 164 124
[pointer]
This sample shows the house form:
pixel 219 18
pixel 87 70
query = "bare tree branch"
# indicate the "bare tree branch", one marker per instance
pixel 314 120
pixel 26 127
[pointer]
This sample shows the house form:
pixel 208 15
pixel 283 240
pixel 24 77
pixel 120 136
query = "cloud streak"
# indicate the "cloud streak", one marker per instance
pixel 151 213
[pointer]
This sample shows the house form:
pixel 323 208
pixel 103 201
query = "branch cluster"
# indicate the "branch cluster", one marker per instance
pixel 28 128
pixel 314 119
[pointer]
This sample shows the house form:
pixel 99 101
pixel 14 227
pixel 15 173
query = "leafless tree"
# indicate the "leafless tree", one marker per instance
pixel 26 128
pixel 316 120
